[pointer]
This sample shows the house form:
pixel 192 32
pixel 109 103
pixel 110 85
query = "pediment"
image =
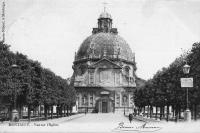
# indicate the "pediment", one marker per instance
pixel 105 63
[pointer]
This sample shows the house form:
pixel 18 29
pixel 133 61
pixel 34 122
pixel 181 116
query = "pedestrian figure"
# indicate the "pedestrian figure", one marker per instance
pixel 15 118
pixel 130 116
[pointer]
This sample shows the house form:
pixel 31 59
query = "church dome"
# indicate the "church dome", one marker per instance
pixel 98 44
pixel 105 15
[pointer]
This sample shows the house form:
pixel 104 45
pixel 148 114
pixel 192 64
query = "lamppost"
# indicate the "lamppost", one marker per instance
pixel 187 113
pixel 15 113
pixel 124 101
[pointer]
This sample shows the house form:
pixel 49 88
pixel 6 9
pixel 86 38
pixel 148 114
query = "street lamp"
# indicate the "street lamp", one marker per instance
pixel 124 101
pixel 15 113
pixel 187 114
pixel 186 69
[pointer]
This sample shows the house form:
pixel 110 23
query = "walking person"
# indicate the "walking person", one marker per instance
pixel 130 116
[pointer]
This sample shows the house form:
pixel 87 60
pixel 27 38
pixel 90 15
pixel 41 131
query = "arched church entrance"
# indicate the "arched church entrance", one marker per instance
pixel 105 104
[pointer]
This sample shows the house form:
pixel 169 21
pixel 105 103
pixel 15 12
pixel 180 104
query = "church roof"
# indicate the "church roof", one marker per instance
pixel 99 44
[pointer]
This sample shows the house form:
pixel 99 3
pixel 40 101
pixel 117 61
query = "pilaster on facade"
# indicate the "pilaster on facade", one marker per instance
pixel 80 100
pixel 120 101
pixel 114 78
pixel 115 99
pixel 93 100
pixel 129 100
pixel 88 100
pixel 120 78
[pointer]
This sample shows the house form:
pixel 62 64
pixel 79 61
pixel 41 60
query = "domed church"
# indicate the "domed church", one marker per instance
pixel 104 71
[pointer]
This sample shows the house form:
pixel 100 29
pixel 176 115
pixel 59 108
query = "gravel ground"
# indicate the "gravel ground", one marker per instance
pixel 97 123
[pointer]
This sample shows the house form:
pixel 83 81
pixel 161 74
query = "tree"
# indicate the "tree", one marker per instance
pixel 30 84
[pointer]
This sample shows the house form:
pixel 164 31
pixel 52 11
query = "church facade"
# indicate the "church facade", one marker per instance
pixel 104 71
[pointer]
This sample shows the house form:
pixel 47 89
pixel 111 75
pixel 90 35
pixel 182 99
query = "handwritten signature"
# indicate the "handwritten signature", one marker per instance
pixel 144 127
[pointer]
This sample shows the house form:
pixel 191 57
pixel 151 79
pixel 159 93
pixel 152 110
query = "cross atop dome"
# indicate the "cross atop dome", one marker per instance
pixel 104 6
pixel 105 14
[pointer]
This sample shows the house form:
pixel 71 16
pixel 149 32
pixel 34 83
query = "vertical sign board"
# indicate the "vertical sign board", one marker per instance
pixel 187 82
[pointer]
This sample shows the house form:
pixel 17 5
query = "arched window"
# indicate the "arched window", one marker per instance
pixel 124 100
pixel 126 70
pixel 117 99
pixel 78 99
pixel 84 99
pixel 91 99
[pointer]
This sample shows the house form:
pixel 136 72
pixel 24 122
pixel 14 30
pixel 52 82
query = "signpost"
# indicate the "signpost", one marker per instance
pixel 187 82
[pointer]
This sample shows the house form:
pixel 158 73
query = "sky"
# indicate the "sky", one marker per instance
pixel 50 31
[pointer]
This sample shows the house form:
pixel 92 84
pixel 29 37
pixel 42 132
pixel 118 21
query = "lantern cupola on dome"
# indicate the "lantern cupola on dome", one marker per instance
pixel 105 22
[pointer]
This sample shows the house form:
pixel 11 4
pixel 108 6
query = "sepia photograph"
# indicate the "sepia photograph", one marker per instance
pixel 99 66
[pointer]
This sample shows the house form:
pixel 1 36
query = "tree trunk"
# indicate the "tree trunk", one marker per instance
pixel 29 112
pixel 163 111
pixel 40 111
pixel 192 111
pixel 167 112
pixel 48 112
pixel 148 111
pixel 45 112
pixel 160 113
pixel 176 113
pixel 179 112
pixel 156 112
pixel 52 112
pixel 144 111
pixel 151 111
pixel 34 113
pixel 67 110
pixel 195 112
pixel 57 111
pixel 173 111
pixel 61 110
pixel 64 111
pixel 20 111
pixel 71 110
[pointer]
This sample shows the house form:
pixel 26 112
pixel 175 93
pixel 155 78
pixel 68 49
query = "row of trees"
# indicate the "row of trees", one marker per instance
pixel 164 89
pixel 29 84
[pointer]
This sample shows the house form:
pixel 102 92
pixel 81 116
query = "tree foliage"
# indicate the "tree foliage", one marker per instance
pixel 32 84
pixel 165 88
